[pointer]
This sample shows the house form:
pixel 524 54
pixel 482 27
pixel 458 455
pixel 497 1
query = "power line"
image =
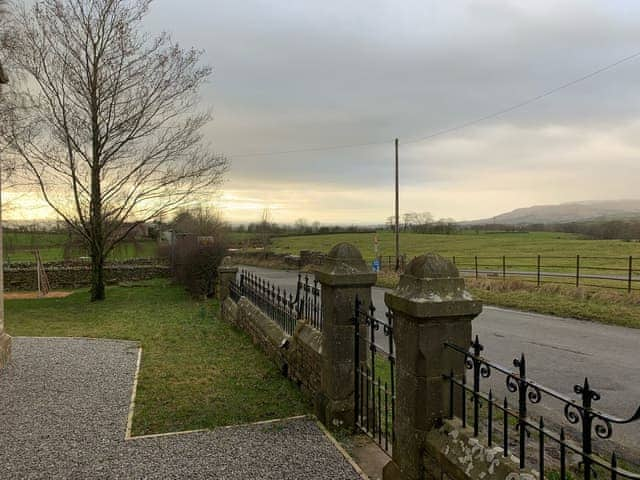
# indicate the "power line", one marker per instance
pixel 460 126
pixel 312 149
pixel 525 102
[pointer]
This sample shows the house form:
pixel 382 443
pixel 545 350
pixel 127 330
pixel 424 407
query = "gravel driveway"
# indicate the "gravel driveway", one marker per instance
pixel 63 414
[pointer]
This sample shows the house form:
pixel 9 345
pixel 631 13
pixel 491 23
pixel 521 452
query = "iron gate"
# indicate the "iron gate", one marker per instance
pixel 375 390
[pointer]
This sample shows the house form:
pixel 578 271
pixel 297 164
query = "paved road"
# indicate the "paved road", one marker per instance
pixel 560 353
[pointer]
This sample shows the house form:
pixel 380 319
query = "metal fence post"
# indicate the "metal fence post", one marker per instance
pixel 539 260
pixel 630 274
pixel 577 271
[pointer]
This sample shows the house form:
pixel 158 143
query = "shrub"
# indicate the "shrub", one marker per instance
pixel 198 269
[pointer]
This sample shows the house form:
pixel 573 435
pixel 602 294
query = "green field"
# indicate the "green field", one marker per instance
pixel 19 247
pixel 511 252
pixel 465 244
pixel 197 371
pixel 601 300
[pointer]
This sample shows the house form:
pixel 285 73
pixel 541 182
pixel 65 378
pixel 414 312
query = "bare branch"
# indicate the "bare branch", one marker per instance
pixel 105 119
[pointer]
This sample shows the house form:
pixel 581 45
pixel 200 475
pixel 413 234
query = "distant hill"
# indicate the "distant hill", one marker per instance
pixel 567 212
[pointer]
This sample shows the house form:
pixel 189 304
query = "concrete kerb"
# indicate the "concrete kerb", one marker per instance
pixel 341 449
pixel 132 403
pixel 330 437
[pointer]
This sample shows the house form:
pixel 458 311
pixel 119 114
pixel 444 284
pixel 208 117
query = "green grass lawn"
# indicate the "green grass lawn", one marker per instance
pixel 197 371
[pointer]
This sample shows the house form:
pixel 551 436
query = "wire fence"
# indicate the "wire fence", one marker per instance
pixel 620 273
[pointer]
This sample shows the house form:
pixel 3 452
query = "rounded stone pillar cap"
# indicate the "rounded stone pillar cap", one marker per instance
pixel 432 265
pixel 432 287
pixel 345 266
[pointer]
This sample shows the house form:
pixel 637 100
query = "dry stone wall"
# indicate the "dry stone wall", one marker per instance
pixel 452 453
pixel 19 277
pixel 306 258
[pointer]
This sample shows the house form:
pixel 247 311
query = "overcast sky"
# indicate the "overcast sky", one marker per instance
pixel 306 74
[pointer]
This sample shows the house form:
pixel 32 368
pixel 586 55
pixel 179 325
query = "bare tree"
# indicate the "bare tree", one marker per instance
pixel 301 225
pixel 390 222
pixel 408 220
pixel 265 227
pixel 200 221
pixel 424 218
pixel 104 119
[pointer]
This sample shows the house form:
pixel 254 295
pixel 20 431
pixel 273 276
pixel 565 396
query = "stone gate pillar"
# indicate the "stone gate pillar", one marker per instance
pixel 431 307
pixel 343 276
pixel 226 274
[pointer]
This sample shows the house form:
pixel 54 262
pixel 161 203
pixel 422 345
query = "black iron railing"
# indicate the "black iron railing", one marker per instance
pixel 375 391
pixel 276 303
pixel 308 301
pixel 533 433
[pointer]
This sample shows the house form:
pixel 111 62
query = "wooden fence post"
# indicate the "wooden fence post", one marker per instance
pixel 476 261
pixel 504 267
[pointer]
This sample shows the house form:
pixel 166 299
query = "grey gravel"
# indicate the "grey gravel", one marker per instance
pixel 63 414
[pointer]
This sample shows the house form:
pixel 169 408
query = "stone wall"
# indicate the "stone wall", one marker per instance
pixel 452 453
pixel 298 356
pixel 69 276
pixel 306 258
pixel 304 356
pixel 86 263
pixel 309 257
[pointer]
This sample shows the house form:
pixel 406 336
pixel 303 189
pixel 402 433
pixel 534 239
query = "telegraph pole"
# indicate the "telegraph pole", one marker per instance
pixel 397 213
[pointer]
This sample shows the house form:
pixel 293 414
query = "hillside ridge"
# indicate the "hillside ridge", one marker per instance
pixel 567 212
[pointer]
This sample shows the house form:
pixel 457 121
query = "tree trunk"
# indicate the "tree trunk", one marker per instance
pixel 97 240
pixel 97 222
pixel 97 276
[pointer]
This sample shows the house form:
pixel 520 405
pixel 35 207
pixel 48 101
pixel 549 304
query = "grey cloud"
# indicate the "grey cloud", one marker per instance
pixel 303 74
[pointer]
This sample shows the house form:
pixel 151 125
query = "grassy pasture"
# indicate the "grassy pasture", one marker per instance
pixel 558 251
pixel 19 247
pixel 465 244
pixel 601 300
